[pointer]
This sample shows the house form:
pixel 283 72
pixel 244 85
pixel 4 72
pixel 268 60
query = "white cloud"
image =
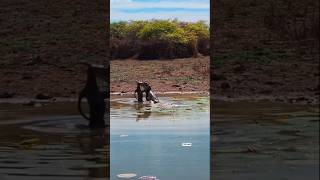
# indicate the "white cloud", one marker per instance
pixel 182 16
pixel 120 1
pixel 189 10
pixel 127 4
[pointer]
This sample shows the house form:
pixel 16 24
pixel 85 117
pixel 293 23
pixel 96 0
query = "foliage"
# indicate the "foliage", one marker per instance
pixel 163 30
pixel 119 29
pixel 156 39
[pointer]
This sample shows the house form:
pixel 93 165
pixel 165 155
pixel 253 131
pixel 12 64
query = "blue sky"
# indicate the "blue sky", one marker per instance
pixel 184 10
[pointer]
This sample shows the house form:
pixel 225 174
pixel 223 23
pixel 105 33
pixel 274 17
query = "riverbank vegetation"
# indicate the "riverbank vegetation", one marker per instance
pixel 158 39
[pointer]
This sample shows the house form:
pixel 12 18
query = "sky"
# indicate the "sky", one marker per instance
pixel 183 10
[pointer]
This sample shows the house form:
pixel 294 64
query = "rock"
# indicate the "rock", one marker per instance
pixel 225 85
pixel 37 105
pixel 279 99
pixel 186 144
pixel 27 77
pixel 272 83
pixel 266 91
pixel 30 103
pixel 239 69
pixel 7 95
pixel 218 77
pixel 126 175
pixel 148 178
pixel 43 96
pixel 176 85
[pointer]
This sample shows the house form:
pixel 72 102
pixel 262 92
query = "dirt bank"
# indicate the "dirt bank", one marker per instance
pixel 250 59
pixel 185 75
pixel 289 82
pixel 265 50
pixel 285 82
pixel 278 81
pixel 42 41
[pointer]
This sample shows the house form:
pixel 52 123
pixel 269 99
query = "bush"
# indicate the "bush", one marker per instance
pixel 157 39
pixel 199 37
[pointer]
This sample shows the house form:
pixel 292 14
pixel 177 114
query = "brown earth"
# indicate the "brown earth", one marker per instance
pixel 43 41
pixel 289 82
pixel 265 50
pixel 185 75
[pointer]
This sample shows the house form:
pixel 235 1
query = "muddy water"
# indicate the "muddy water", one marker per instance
pixel 147 139
pixel 250 141
pixel 264 141
pixel 50 142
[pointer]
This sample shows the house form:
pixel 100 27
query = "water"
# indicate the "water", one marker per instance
pixel 250 141
pixel 147 140
pixel 264 141
pixel 50 142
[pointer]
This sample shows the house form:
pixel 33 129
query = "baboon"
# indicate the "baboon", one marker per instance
pixel 95 96
pixel 144 87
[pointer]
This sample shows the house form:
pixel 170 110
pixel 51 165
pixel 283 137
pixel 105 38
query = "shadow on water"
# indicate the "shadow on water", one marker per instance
pixel 50 142
pixel 264 141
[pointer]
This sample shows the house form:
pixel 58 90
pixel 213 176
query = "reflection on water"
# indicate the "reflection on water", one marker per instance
pixel 50 142
pixel 147 139
pixel 264 141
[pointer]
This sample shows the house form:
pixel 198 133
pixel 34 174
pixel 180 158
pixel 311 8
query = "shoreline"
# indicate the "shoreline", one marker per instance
pixel 286 100
pixel 231 81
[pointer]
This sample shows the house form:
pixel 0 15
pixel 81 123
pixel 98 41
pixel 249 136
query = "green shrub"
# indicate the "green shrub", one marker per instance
pixel 198 37
pixel 119 29
pixel 162 30
pixel 157 39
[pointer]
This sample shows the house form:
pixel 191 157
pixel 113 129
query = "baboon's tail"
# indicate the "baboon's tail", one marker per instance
pixel 81 96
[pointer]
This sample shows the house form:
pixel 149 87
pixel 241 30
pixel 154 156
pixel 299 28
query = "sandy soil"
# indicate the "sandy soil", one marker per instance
pixel 278 81
pixel 42 42
pixel 289 82
pixel 260 55
pixel 182 75
pixel 292 82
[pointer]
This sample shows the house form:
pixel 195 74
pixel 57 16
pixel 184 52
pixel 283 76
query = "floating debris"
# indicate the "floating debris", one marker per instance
pixel 186 144
pixel 148 178
pixel 126 175
pixel 251 149
pixel 29 143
